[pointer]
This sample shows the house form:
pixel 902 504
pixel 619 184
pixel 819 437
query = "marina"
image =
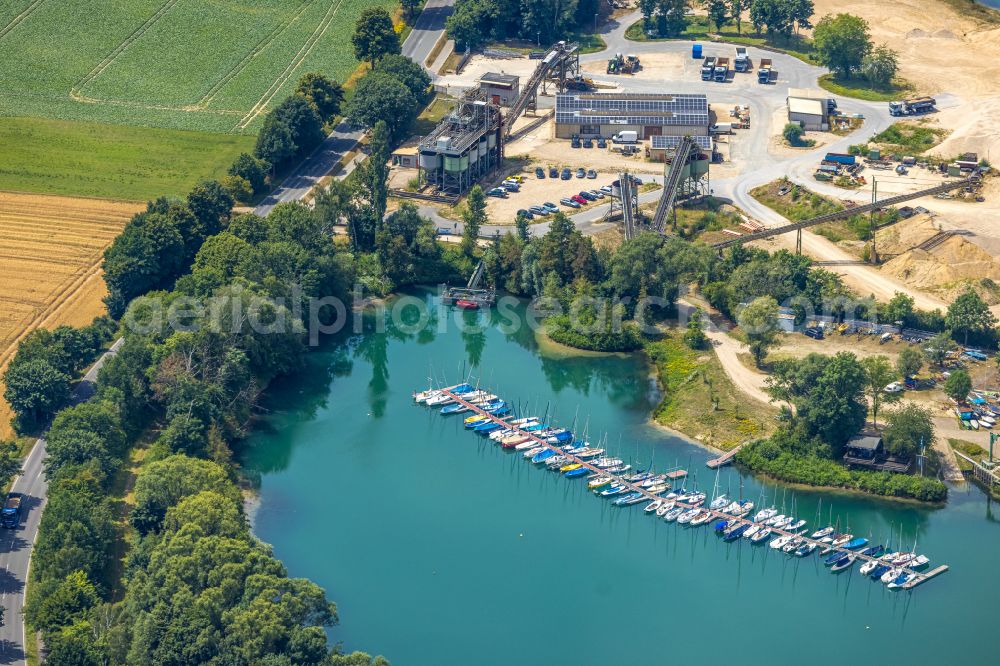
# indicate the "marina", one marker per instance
pixel 489 409
pixel 430 538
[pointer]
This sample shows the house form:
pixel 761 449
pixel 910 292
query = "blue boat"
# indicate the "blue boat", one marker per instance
pixel 835 558
pixel 573 473
pixel 856 543
pixel 878 572
pixel 625 499
pixel 542 456
pixel 488 427
pixel 873 551
pixel 462 389
pixel 737 533
pixel 559 436
pixel 453 408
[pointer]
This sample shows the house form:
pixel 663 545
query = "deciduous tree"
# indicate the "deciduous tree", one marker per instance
pixel 473 219
pixel 323 93
pixel 374 35
pixel 908 428
pixel 958 385
pixel 759 322
pixel 842 41
pixel 878 374
pixel 909 362
pixel 969 313
pixel 880 66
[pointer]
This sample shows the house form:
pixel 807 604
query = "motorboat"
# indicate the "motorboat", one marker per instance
pixel 653 506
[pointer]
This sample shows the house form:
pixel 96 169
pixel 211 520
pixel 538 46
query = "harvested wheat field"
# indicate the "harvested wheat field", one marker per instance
pixel 51 249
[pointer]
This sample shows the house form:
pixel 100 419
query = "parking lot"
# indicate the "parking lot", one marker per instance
pixel 535 191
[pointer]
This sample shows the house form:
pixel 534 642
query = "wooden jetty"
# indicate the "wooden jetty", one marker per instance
pixel 724 459
pixel 916 577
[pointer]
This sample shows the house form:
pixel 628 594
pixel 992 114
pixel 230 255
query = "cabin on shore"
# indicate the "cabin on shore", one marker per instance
pixel 866 449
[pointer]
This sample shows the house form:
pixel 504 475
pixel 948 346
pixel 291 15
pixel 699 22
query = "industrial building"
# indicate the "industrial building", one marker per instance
pixel 464 147
pixel 810 108
pixel 647 114
pixel 662 146
pixel 501 89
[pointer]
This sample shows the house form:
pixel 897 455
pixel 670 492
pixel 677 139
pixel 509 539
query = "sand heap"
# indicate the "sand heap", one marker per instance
pixel 944 269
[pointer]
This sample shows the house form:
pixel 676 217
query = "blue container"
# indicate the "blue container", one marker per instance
pixel 696 51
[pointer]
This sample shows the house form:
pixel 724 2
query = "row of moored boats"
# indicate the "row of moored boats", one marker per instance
pixel 607 476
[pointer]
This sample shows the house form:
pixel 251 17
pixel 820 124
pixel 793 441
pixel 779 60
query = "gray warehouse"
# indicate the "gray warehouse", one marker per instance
pixel 647 114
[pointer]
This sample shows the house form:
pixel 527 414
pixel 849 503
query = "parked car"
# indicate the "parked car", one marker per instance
pixel 553 172
pixel 606 189
pixel 497 192
pixel 538 210
pixel 601 143
pixel 551 207
pixel 587 195
pixel 569 202
pixel 814 332
pixel 588 143
pixel 539 172
pixel 597 193
pixel 566 174
pixel 510 186
pixel 894 387
pixel 526 213
pixel 580 200
pixel 581 172
pixel 975 354
pixel 574 142
pixel 517 178
pixel 444 231
pixel 591 173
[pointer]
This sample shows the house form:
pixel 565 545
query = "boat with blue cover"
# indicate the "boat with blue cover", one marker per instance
pixel 737 533
pixel 543 456
pixel 856 543
pixel 835 557
pixel 845 563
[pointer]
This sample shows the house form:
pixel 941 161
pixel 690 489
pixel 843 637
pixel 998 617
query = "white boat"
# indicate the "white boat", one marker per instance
pixel 765 514
pixel 531 453
pixel 732 508
pixel 657 489
pixel 780 541
pixel 667 506
pixel 439 399
pixel 528 443
pixel 919 561
pixel 599 481
pixel 792 544
pixel 774 520
pixel 761 535
pixel 702 518
pixel 974 424
pixel 903 559
pixel 424 396
pixel 841 540
pixel 891 575
pixel 653 506
pixel 870 565
pixel 783 523
pixel 798 524
pixel 826 531
pixel 719 502
pixel 753 529
pixel 899 581
pixel 984 418
pixel 673 514
pixel 688 515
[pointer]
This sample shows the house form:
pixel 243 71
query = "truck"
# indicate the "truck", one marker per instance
pixel 10 517
pixel 721 128
pixel 840 158
pixel 721 69
pixel 742 61
pixel 764 72
pixel 628 136
pixel 707 68
pixel 912 106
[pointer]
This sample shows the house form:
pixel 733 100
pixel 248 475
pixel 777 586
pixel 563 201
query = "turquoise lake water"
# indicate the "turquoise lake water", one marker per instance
pixel 441 548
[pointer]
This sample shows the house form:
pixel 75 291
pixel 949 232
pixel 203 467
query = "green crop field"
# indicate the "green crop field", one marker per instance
pixel 211 65
pixel 214 66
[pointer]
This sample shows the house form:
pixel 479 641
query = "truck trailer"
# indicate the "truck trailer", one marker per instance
pixel 742 61
pixel 912 106
pixel 721 69
pixel 707 68
pixel 764 72
pixel 840 158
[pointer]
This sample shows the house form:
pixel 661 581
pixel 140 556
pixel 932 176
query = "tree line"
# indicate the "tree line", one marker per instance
pixel 474 23
pixel 198 587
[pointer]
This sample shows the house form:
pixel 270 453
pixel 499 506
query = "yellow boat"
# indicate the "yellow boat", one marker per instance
pixel 570 467
pixel 599 482
pixel 477 418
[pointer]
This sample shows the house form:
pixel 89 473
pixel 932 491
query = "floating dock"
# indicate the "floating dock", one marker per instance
pixel 724 459
pixel 916 577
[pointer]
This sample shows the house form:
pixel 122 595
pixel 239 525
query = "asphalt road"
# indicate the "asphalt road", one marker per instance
pixel 16 545
pixel 344 138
